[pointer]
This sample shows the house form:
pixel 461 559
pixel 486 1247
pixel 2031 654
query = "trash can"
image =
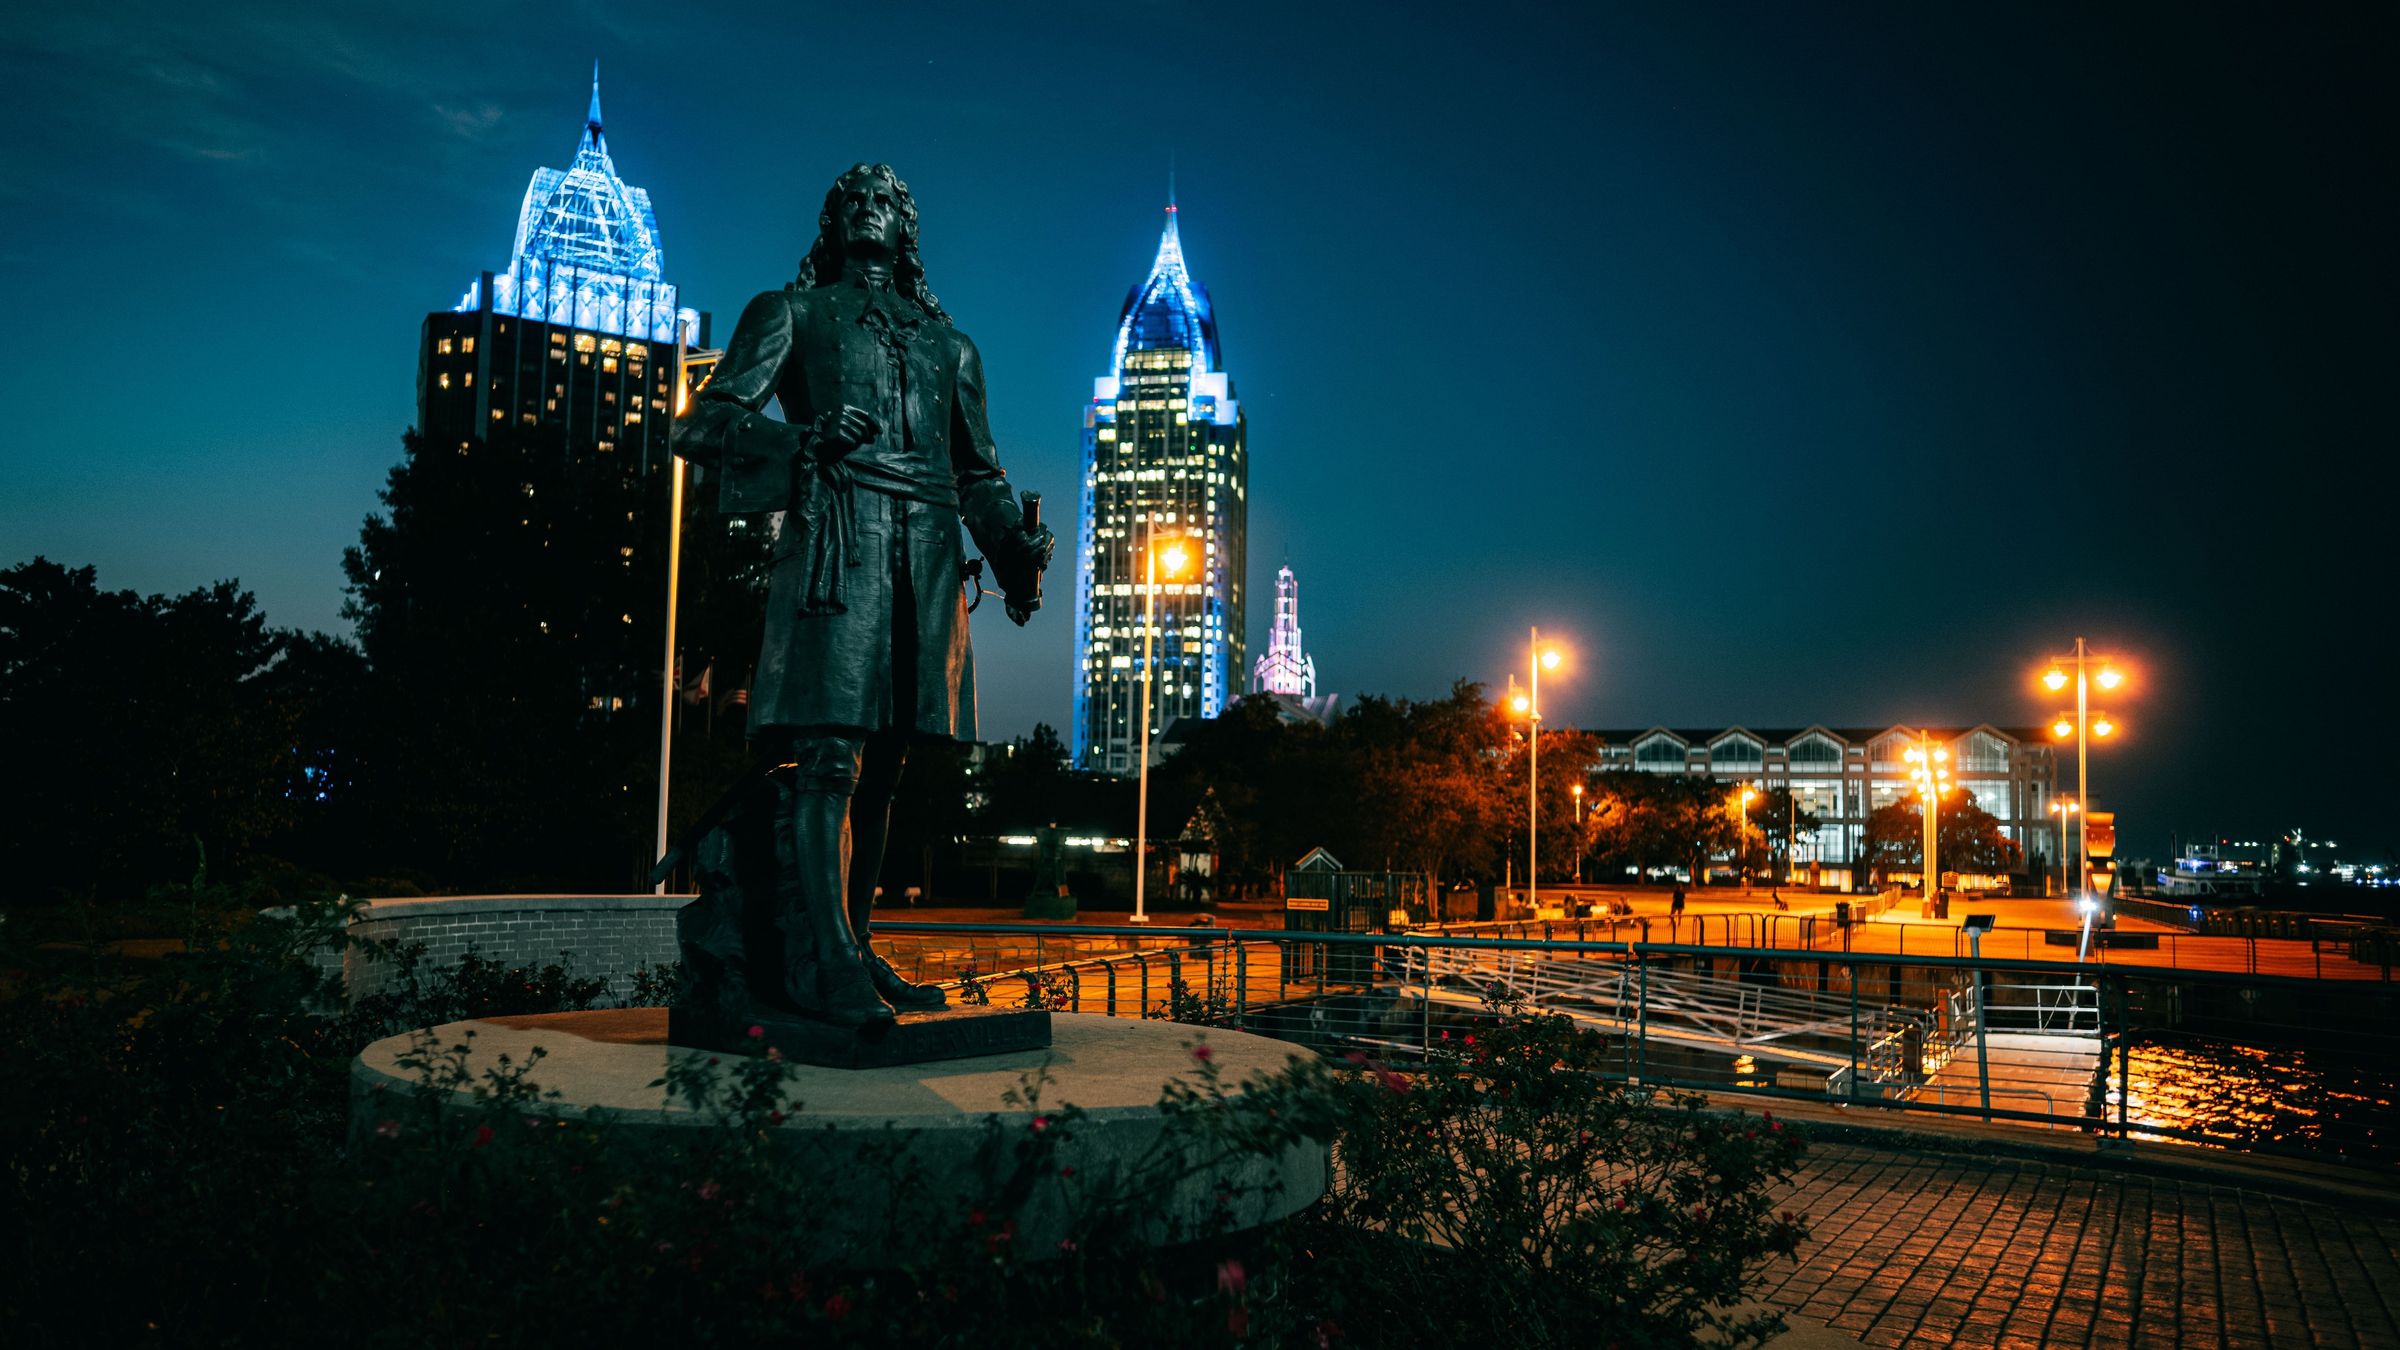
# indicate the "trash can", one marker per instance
pixel 1841 913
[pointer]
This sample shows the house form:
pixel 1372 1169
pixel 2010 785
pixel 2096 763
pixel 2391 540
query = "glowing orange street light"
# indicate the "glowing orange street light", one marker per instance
pixel 2083 724
pixel 1741 823
pixel 1172 558
pixel 1537 660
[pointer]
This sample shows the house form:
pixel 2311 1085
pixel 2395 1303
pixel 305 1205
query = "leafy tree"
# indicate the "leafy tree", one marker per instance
pixel 1654 819
pixel 137 725
pixel 510 602
pixel 1776 819
pixel 1967 839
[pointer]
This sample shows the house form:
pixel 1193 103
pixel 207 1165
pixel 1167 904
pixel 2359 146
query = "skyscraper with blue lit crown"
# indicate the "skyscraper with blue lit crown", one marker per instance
pixel 1163 462
pixel 576 335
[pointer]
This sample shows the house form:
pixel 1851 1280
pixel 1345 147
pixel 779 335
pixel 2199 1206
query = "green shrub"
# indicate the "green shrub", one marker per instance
pixel 177 1152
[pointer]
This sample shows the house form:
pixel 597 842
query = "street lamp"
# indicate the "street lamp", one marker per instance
pixel 1932 779
pixel 1578 791
pixel 692 371
pixel 2063 809
pixel 2082 724
pixel 1741 826
pixel 1173 558
pixel 1536 661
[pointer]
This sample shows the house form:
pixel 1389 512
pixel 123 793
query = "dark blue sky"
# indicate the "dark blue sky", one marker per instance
pixel 1793 366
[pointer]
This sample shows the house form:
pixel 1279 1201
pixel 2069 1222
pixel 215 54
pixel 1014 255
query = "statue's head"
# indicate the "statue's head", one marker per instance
pixel 870 217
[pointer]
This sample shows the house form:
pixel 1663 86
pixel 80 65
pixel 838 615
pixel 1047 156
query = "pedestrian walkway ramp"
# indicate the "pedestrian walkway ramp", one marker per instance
pixel 1686 1009
pixel 2042 1040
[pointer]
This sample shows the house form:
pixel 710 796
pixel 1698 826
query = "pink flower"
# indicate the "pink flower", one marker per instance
pixel 837 1307
pixel 975 1218
pixel 1040 1123
pixel 1326 1331
pixel 760 1034
pixel 389 1129
pixel 1231 1279
pixel 1202 1053
pixel 1066 1171
pixel 709 1189
pixel 775 1117
pixel 1066 1244
pixel 1237 1321
pixel 483 1135
pixel 1356 1057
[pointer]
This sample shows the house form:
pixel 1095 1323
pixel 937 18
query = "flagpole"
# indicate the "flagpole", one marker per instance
pixel 666 709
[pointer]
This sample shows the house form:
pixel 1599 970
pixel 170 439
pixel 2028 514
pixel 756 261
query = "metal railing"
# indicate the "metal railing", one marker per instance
pixel 1861 1029
pixel 2357 951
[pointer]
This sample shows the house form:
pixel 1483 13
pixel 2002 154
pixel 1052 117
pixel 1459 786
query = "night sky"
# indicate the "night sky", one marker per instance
pixel 1790 364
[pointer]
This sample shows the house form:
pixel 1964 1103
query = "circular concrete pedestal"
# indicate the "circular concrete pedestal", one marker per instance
pixel 950 1118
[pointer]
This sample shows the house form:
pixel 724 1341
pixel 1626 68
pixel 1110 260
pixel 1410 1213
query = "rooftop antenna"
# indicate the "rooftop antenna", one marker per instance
pixel 1170 182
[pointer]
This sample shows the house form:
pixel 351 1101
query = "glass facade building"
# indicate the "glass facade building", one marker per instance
pixel 1163 461
pixel 577 335
pixel 1843 775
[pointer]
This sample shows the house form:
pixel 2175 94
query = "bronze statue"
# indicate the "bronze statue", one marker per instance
pixel 884 449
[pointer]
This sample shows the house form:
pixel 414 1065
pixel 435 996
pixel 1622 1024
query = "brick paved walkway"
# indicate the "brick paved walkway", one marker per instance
pixel 1924 1249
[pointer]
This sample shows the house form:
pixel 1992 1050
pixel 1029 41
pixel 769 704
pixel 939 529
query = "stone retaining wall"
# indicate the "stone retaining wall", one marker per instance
pixel 604 936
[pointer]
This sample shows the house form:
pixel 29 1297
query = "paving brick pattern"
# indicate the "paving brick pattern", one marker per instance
pixel 1922 1249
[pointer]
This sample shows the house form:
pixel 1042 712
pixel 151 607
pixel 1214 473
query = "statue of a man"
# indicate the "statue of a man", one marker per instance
pixel 884 448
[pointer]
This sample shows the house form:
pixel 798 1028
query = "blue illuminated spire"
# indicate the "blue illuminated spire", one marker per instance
pixel 1167 308
pixel 586 215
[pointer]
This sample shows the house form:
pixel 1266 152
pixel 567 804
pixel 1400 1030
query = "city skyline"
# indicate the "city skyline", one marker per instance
pixel 1834 367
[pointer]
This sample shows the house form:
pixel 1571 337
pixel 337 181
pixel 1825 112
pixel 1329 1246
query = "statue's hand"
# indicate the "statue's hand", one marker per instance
pixel 1020 574
pixel 839 433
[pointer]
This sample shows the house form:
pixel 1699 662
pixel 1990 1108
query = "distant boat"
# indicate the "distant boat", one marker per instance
pixel 2208 871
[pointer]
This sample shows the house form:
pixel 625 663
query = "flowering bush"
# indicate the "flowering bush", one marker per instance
pixel 180 1136
pixel 1509 1186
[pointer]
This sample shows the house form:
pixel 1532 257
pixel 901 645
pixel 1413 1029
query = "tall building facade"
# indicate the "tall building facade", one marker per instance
pixel 1164 462
pixel 577 335
pixel 1842 775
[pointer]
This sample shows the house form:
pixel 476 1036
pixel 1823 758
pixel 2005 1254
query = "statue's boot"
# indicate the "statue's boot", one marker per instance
pixel 870 825
pixel 825 970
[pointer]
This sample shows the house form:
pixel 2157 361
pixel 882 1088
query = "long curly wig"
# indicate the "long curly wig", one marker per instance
pixel 823 265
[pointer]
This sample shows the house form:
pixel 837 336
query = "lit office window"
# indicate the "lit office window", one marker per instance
pixel 1984 753
pixel 466 345
pixel 444 379
pixel 442 346
pixel 583 342
pixel 1659 753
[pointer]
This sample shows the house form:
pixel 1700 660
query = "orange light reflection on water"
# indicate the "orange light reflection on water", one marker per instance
pixel 2245 1094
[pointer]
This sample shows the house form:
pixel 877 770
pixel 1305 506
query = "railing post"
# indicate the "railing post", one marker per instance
pixel 1241 984
pixel 2124 1060
pixel 1110 969
pixel 1642 1007
pixel 1853 971
pixel 1425 1023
